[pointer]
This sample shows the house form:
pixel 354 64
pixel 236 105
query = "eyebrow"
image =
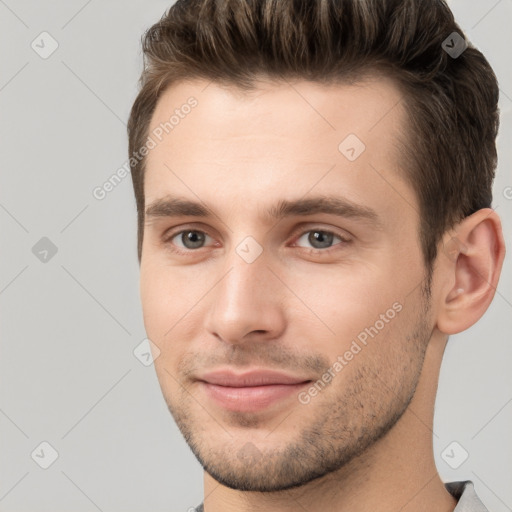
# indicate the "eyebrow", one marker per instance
pixel 170 206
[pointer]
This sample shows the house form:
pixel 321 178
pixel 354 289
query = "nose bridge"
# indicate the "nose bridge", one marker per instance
pixel 248 273
pixel 246 283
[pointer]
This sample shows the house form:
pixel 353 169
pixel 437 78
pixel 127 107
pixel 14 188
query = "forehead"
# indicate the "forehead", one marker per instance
pixel 280 140
pixel 372 105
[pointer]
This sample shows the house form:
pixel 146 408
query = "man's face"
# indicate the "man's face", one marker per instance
pixel 333 298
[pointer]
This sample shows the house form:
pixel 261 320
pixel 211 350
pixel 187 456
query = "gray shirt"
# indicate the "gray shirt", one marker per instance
pixel 463 492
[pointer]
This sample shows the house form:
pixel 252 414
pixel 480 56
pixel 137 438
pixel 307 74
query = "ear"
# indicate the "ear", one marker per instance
pixel 469 266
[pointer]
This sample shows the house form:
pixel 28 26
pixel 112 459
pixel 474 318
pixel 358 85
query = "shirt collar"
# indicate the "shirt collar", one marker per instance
pixel 464 493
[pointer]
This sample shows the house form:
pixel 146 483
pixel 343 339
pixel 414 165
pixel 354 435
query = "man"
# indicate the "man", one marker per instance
pixel 313 184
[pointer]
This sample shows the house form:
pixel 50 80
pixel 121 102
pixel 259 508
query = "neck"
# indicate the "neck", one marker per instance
pixel 398 473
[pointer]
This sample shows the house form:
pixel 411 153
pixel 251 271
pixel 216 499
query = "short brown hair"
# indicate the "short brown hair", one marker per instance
pixel 451 101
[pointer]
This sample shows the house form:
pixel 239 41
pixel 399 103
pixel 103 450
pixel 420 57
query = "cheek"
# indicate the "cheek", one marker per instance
pixel 160 313
pixel 165 296
pixel 155 303
pixel 348 300
pixel 380 365
pixel 170 306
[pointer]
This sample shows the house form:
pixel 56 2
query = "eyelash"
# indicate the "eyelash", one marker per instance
pixel 173 248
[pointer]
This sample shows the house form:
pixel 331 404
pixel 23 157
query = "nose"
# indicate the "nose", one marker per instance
pixel 247 303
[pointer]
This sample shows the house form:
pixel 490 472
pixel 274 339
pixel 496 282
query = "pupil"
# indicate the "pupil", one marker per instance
pixel 192 239
pixel 325 239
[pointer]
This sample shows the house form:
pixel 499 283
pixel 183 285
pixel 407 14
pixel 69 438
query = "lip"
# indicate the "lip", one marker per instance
pixel 249 391
pixel 250 378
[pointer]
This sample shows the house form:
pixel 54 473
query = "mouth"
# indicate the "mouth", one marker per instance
pixel 251 391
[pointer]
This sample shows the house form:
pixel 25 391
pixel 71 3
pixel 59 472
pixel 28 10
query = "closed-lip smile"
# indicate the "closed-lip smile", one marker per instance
pixel 250 391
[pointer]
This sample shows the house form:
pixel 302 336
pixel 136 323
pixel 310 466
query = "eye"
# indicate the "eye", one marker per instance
pixel 189 239
pixel 320 239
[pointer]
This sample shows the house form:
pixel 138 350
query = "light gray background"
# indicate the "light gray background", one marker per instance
pixel 69 326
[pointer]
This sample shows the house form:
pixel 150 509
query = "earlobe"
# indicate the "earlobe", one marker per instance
pixel 469 268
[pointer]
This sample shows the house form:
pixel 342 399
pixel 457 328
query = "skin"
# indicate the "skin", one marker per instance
pixel 364 442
